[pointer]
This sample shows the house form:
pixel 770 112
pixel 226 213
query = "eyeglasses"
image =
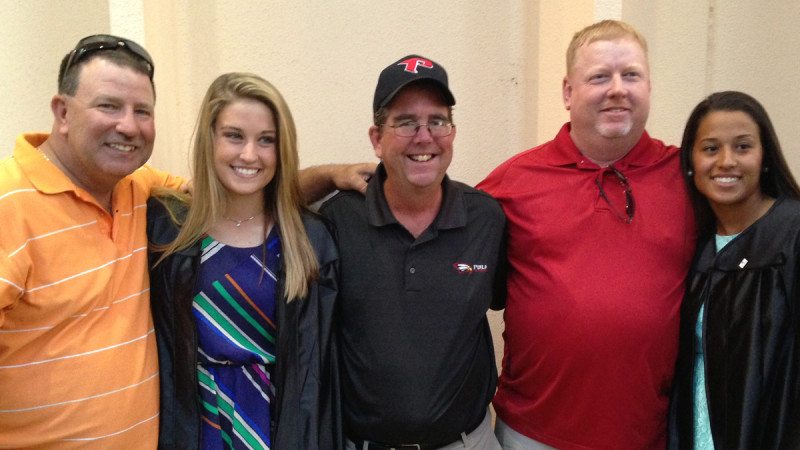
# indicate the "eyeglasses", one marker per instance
pixel 630 205
pixel 410 128
pixel 98 42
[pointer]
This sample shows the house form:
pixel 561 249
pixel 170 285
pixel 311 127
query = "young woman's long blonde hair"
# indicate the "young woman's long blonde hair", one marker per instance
pixel 281 196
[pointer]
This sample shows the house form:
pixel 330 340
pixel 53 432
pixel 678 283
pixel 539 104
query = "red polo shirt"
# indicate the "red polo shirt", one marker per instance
pixel 591 323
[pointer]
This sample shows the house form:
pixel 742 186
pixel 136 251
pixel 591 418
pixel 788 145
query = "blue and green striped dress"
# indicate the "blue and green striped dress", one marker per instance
pixel 234 310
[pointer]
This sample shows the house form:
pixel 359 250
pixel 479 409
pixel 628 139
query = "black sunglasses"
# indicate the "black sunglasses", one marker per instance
pixel 630 204
pixel 98 42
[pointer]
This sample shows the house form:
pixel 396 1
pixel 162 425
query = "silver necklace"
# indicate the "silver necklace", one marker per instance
pixel 240 222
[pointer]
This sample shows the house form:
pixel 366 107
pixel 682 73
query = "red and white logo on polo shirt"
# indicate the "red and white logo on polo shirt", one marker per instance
pixel 464 268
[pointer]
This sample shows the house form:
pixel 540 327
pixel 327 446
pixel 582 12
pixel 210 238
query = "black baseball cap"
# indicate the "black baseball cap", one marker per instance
pixel 407 70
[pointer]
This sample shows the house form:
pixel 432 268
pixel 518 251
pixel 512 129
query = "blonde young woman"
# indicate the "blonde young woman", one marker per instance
pixel 243 286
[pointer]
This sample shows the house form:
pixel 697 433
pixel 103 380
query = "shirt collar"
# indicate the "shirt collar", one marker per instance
pixel 566 153
pixel 46 177
pixel 452 213
pixel 42 173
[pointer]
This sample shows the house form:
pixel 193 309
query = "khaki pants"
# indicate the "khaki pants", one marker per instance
pixel 481 438
pixel 512 440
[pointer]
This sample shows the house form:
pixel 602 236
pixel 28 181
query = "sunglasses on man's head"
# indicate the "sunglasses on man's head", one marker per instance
pixel 98 42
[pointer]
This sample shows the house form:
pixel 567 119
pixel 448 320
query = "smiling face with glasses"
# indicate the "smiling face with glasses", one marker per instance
pixel 416 142
pixel 410 128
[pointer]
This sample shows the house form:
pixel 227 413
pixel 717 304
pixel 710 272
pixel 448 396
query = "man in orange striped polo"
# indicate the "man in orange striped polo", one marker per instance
pixel 78 364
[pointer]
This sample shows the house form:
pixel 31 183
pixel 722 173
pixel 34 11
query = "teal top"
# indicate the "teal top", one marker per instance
pixel 702 424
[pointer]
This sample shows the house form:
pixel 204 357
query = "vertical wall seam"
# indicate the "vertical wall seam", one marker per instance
pixel 710 46
pixel 607 9
pixel 126 19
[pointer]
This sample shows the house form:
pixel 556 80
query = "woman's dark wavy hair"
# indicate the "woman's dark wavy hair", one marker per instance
pixel 776 182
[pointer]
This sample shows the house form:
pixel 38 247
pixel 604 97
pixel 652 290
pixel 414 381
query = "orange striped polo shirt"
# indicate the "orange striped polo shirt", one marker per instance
pixel 78 361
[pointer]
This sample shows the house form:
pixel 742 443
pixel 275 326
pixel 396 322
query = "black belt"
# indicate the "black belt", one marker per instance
pixel 375 446
pixel 371 445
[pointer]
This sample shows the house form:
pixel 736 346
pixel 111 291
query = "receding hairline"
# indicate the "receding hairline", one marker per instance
pixel 606 30
pixel 73 78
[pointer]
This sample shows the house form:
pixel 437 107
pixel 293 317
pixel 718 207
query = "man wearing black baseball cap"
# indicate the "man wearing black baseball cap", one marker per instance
pixel 420 265
pixel 78 361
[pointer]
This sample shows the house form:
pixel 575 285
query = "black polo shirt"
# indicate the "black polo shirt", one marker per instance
pixel 416 350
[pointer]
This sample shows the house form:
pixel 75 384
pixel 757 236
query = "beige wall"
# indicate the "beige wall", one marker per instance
pixel 505 59
pixel 757 50
pixel 325 59
pixel 33 38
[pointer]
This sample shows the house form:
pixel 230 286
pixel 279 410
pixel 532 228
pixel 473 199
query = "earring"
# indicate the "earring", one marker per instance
pixel 765 169
pixel 689 173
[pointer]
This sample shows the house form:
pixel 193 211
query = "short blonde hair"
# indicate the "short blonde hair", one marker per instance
pixel 605 30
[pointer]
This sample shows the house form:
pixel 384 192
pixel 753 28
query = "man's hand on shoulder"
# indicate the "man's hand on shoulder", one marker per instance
pixel 318 181
pixel 353 177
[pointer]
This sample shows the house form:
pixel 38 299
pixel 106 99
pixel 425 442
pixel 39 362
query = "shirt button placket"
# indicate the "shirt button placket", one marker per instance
pixel 411 276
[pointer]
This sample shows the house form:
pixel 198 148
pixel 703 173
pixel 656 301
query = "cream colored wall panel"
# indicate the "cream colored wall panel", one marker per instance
pixel 181 37
pixel 557 21
pixel 127 19
pixel 36 34
pixel 677 35
pixel 325 59
pixel 758 51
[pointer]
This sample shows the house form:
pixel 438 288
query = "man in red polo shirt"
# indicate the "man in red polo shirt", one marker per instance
pixel 601 236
